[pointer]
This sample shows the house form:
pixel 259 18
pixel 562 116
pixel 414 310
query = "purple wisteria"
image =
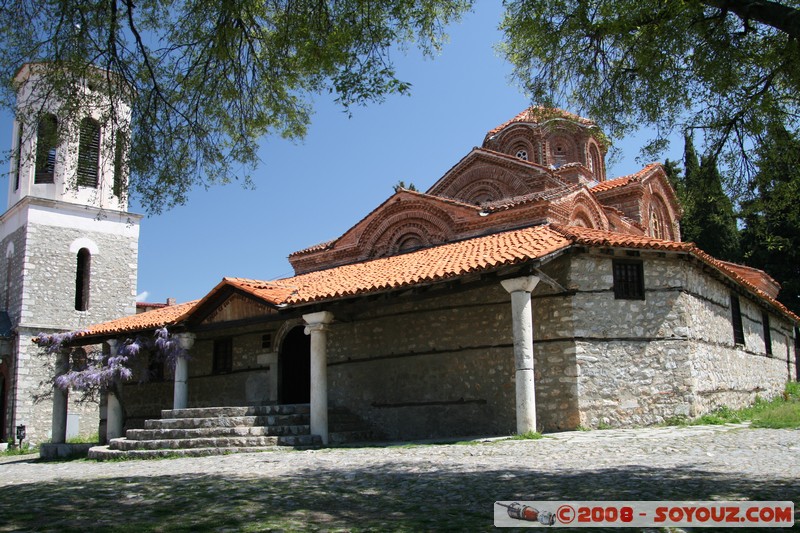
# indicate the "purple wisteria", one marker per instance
pixel 101 371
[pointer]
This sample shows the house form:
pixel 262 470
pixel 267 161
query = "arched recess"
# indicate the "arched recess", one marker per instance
pixel 562 149
pixel 384 235
pixel 659 221
pixel 505 183
pixel 481 192
pixel 596 164
pixel 586 213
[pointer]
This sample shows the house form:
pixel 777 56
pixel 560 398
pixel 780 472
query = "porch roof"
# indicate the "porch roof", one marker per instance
pixel 427 265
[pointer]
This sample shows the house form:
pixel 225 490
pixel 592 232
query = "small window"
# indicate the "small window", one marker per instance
pixel 522 154
pixel 82 279
pixel 88 153
pixel 46 143
pixel 767 333
pixel 18 158
pixel 223 356
pixel 266 341
pixel 628 280
pixel 736 320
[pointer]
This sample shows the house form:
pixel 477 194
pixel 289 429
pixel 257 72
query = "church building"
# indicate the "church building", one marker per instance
pixel 524 290
pixel 69 246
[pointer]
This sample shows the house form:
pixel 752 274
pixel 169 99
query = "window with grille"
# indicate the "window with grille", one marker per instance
pixel 223 356
pixel 88 153
pixel 767 333
pixel 82 279
pixel 46 143
pixel 736 320
pixel 628 280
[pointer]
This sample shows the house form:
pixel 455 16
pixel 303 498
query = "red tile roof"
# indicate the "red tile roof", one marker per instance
pixel 428 265
pixel 538 115
pixel 164 316
pixel 623 180
pixel 756 277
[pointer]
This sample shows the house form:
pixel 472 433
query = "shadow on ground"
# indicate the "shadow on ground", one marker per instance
pixel 397 497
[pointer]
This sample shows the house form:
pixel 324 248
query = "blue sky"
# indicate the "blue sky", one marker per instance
pixel 313 191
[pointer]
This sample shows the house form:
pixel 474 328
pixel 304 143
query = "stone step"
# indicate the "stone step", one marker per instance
pixel 202 442
pixel 104 453
pixel 228 421
pixel 253 410
pixel 202 432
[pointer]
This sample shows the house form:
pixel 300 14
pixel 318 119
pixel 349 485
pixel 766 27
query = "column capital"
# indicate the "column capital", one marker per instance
pixel 186 340
pixel 112 345
pixel 320 317
pixel 521 284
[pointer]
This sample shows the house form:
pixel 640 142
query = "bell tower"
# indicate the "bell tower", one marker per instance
pixel 69 247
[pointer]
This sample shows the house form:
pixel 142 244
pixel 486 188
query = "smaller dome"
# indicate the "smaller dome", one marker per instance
pixel 540 115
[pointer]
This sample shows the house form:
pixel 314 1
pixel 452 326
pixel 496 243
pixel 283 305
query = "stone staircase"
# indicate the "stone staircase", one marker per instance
pixel 222 430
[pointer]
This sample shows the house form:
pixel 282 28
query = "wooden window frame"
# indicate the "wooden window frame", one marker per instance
pixel 628 279
pixel 767 332
pixel 222 361
pixel 46 149
pixel 89 153
pixel 736 321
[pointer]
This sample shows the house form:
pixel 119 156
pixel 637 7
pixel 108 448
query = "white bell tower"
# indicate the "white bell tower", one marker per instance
pixel 69 248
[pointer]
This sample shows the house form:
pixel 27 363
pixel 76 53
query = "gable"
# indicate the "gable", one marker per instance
pixel 237 307
pixel 484 176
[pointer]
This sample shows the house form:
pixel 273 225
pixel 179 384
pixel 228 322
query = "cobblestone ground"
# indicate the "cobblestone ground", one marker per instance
pixel 398 488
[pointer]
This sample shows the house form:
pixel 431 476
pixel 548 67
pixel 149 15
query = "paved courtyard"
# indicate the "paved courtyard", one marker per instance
pixel 398 488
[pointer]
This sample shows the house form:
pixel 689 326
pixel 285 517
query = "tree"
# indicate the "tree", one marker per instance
pixel 208 79
pixel 771 233
pixel 723 67
pixel 709 219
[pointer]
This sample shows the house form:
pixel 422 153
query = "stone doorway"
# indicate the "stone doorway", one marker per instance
pixel 294 367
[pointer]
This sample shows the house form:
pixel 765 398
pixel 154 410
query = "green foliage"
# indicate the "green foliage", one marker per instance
pixel 84 439
pixel 401 185
pixel 530 435
pixel 780 412
pixel 206 79
pixel 713 66
pixel 771 233
pixel 24 449
pixel 708 220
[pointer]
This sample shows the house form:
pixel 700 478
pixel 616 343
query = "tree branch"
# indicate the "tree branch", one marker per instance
pixel 776 15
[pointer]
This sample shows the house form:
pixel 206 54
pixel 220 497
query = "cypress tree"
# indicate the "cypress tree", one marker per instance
pixel 709 219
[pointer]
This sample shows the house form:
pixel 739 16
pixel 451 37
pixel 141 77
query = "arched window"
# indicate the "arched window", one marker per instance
pixel 82 279
pixel 88 153
pixel 596 163
pixel 46 143
pixel 120 146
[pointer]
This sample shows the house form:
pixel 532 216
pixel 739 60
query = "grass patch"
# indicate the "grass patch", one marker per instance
pixel 25 449
pixel 778 413
pixel 530 435
pixel 84 439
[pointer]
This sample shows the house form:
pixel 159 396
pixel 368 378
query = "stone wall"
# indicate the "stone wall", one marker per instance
pixel 443 364
pixel 42 299
pixel 252 380
pixel 672 354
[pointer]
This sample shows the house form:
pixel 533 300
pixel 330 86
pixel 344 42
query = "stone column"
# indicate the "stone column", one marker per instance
pixel 60 401
pixel 318 327
pixel 522 318
pixel 114 417
pixel 180 398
